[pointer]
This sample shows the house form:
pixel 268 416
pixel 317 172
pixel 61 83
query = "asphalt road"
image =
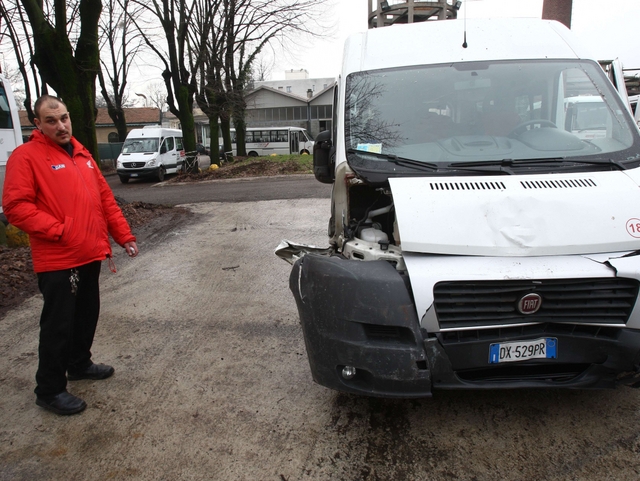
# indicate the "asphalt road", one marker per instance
pixel 227 190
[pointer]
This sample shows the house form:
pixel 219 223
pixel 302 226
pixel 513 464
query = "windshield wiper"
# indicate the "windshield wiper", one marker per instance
pixel 403 161
pixel 505 162
pixel 540 161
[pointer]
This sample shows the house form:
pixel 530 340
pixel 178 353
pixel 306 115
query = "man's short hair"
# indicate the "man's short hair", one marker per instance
pixel 52 102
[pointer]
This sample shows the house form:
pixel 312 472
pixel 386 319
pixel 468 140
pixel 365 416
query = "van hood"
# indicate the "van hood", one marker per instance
pixel 138 157
pixel 526 215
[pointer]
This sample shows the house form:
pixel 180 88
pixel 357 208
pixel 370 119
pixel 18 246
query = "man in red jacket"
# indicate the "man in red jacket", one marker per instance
pixel 55 192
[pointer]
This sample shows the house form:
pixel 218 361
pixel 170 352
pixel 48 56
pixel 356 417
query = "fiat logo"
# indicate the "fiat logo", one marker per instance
pixel 529 304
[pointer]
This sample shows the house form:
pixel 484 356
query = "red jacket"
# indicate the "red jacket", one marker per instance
pixel 63 203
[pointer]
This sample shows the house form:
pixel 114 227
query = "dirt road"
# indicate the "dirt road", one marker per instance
pixel 212 382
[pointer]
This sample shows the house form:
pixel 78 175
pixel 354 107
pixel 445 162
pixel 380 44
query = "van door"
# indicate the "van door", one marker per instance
pixel 169 155
pixel 294 142
pixel 181 153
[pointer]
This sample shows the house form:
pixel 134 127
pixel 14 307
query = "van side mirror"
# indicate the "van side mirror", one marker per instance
pixel 323 158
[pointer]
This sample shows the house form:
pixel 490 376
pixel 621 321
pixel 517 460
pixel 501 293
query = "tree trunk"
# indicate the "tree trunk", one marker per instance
pixel 214 135
pixel 116 112
pixel 184 99
pixel 117 115
pixel 241 129
pixel 73 78
pixel 225 127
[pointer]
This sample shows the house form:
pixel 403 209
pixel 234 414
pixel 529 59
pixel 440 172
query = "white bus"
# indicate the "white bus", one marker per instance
pixel 10 134
pixel 275 140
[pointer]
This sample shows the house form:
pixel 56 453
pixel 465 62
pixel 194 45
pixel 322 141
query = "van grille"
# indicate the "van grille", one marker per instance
pixel 133 165
pixel 470 304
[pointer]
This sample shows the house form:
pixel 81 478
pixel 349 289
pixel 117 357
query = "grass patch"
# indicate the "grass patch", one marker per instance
pixel 304 162
pixel 254 167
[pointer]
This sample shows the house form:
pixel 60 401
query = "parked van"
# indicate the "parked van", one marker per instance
pixel 150 152
pixel 633 101
pixel 10 134
pixel 476 239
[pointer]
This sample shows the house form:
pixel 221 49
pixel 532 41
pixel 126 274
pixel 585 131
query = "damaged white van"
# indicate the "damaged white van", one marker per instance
pixel 150 152
pixel 477 239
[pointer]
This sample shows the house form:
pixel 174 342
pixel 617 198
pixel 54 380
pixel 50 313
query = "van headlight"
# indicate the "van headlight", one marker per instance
pixel 151 163
pixel 118 164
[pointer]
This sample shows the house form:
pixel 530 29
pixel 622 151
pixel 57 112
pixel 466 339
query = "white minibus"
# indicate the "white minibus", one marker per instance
pixel 275 140
pixel 10 135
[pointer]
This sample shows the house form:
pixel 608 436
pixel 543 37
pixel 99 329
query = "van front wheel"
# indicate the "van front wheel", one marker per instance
pixel 161 173
pixel 124 179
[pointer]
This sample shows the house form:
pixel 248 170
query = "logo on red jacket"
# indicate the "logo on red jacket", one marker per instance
pixel 89 164
pixel 58 167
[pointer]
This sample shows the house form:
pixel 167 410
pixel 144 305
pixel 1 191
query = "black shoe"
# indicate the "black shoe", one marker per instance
pixel 63 403
pixel 95 371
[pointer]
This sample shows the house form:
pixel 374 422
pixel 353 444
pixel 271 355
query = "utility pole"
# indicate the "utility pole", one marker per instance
pixel 559 10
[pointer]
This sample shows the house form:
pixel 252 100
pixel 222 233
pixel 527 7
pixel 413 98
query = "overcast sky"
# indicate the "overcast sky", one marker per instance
pixel 609 28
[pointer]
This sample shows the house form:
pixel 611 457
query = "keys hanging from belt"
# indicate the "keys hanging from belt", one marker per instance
pixel 74 278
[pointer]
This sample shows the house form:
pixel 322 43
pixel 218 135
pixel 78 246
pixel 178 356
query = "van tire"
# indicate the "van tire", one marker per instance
pixel 253 153
pixel 124 179
pixel 161 173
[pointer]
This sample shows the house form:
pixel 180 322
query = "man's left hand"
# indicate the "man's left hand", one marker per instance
pixel 131 248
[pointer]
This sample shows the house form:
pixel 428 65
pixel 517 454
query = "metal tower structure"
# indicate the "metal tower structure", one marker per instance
pixel 383 13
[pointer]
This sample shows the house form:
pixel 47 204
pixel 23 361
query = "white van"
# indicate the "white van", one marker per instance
pixel 150 152
pixel 10 133
pixel 477 241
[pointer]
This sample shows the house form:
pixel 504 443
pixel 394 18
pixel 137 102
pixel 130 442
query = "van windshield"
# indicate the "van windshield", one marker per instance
pixel 140 145
pixel 485 111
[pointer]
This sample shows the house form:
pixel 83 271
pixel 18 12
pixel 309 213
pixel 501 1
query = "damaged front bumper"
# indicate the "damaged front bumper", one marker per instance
pixel 363 336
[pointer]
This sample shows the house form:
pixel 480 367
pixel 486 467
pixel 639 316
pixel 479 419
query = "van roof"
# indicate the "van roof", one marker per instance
pixel 154 132
pixel 438 42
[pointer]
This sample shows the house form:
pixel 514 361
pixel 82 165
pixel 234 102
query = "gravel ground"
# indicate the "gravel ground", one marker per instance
pixel 212 382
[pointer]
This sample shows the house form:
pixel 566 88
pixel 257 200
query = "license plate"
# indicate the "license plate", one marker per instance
pixel 545 348
pixel 134 175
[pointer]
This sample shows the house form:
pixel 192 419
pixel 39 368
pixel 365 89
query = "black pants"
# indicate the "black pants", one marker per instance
pixel 67 325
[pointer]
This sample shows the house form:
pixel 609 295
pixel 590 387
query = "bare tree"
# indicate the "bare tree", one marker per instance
pixel 211 96
pixel 15 78
pixel 241 30
pixel 251 25
pixel 181 58
pixel 156 96
pixel 15 28
pixel 120 44
pixel 67 56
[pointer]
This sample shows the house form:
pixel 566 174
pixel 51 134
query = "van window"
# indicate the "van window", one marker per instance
pixel 169 143
pixel 179 145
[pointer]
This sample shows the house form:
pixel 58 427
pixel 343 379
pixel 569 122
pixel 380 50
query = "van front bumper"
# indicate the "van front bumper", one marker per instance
pixel 138 173
pixel 361 315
